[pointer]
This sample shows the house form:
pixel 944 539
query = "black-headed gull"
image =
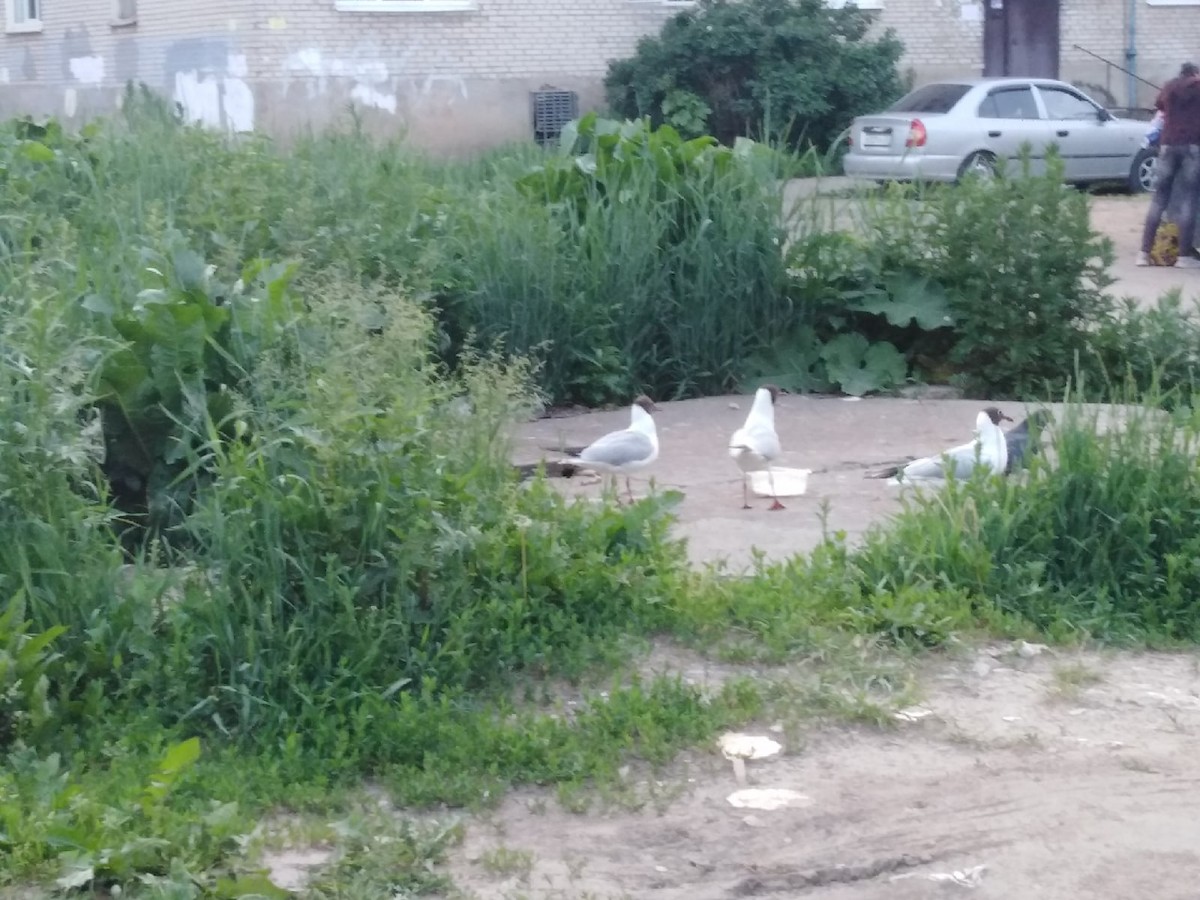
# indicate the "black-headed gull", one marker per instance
pixel 988 449
pixel 627 451
pixel 755 446
pixel 1018 442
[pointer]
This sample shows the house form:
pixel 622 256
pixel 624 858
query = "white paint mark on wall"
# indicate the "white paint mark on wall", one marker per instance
pixel 238 105
pixel 368 96
pixel 218 100
pixel 971 11
pixel 5 78
pixel 200 97
pixel 372 80
pixel 87 69
pixel 70 102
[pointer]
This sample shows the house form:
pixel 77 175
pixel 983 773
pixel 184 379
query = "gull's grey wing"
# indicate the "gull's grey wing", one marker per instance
pixel 618 448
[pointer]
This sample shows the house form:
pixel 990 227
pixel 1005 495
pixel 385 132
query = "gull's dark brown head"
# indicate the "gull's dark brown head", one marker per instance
pixel 995 415
pixel 774 390
pixel 645 403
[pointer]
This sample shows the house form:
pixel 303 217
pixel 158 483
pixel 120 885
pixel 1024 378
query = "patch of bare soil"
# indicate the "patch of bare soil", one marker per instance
pixel 1046 775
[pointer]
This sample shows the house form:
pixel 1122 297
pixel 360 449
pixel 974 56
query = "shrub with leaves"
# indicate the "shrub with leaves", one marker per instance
pixel 790 70
pixel 856 327
pixel 1022 269
pixel 1157 349
pixel 188 342
pixel 25 660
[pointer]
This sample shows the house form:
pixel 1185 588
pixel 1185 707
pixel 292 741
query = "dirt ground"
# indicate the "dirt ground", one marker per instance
pixel 1060 775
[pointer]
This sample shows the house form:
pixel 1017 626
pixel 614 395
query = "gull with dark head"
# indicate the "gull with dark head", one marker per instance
pixel 989 449
pixel 755 446
pixel 627 451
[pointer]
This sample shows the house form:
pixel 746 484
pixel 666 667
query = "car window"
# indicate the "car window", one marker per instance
pixel 1009 103
pixel 930 98
pixel 1063 104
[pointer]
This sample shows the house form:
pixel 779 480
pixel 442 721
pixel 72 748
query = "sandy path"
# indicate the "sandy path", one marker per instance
pixel 1065 775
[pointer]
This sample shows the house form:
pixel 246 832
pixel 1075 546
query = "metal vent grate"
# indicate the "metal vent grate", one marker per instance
pixel 551 111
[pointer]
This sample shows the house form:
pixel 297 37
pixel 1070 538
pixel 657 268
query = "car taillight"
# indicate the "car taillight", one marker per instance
pixel 916 134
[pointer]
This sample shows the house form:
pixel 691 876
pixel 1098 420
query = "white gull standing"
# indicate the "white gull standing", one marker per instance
pixel 989 449
pixel 627 451
pixel 755 446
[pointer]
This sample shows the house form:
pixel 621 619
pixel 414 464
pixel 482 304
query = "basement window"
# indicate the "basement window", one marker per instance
pixel 22 16
pixel 552 110
pixel 124 13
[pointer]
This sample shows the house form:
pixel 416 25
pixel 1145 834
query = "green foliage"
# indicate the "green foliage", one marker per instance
pixel 861 327
pixel 859 366
pixel 102 831
pixel 188 343
pixel 370 541
pixel 1021 268
pixel 386 859
pixel 24 681
pixel 632 260
pixel 1155 349
pixel 1102 543
pixel 788 70
pixel 353 579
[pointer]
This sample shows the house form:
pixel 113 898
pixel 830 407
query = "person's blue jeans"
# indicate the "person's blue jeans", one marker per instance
pixel 1178 169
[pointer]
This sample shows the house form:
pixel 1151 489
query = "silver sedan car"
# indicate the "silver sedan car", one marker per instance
pixel 941 131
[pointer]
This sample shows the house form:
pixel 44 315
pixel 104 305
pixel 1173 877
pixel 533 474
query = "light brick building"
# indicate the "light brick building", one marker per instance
pixel 458 74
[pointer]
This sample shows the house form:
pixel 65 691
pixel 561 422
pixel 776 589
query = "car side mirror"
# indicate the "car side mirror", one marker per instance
pixel 1104 115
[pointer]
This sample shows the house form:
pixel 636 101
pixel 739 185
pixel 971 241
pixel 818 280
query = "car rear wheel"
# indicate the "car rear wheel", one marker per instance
pixel 980 164
pixel 1142 172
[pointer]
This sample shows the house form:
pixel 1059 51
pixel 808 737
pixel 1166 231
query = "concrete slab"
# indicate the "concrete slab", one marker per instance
pixel 838 439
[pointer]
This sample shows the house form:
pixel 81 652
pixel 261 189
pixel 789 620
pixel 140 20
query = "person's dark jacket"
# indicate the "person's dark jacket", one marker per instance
pixel 1179 100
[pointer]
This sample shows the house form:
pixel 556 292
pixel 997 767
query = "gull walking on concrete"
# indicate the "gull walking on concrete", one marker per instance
pixel 627 451
pixel 755 446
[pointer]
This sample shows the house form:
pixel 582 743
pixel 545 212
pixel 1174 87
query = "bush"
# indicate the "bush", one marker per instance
pixel 1157 349
pixel 787 70
pixel 1022 269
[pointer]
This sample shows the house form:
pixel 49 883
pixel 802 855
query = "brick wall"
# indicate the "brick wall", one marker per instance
pixel 942 38
pixel 461 80
pixel 76 66
pixel 450 79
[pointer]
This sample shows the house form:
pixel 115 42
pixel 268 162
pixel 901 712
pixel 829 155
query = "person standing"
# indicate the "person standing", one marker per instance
pixel 1178 166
